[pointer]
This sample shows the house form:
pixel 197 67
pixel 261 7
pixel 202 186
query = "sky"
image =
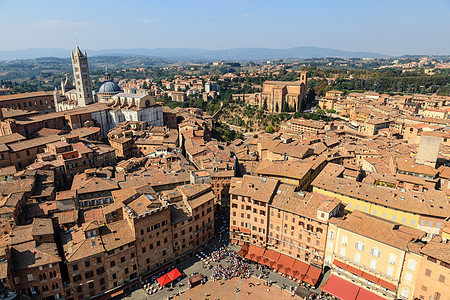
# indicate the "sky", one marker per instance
pixel 391 27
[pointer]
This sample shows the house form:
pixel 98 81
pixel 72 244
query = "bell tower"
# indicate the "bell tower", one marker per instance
pixel 81 77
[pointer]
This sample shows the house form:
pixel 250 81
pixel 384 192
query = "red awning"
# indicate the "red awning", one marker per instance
pixel 259 252
pixel 163 280
pixel 368 295
pixel 388 285
pixel 280 262
pixel 340 264
pixel 251 252
pixel 312 275
pixel 260 260
pixel 296 266
pixel 304 268
pixel 272 255
pixel 370 277
pixel 354 270
pixel 341 288
pixel 254 253
pixel 174 274
pixel 300 269
pixel 289 262
pixel 285 263
pixel 243 251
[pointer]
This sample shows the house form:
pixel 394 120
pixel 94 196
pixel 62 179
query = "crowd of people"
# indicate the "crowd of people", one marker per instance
pixel 237 267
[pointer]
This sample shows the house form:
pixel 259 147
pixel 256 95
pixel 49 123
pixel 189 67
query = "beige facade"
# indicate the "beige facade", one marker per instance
pixel 372 253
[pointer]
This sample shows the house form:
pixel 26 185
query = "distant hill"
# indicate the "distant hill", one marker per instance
pixel 194 54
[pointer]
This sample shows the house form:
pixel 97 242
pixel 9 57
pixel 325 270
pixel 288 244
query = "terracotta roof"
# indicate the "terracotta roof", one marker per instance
pixel 28 255
pixel 11 138
pixel 293 169
pixel 25 95
pixel 77 247
pixel 17 186
pixel 120 234
pixel 42 226
pixel 381 230
pixel 85 185
pixel 432 202
pixel 438 249
pixel 409 165
pixel 257 188
pixel 302 203
pixel 144 204
pixel 67 217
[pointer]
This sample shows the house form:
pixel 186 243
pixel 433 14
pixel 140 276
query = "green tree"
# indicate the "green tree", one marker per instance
pixel 269 129
pixel 320 111
pixel 331 111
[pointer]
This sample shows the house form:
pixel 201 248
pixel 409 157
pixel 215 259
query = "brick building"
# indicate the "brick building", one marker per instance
pixel 298 223
pixel 35 263
pixel 35 101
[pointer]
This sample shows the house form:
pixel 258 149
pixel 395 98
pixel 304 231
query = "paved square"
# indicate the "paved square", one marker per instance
pixel 225 290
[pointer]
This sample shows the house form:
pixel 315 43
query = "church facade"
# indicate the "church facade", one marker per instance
pixel 278 96
pixel 120 106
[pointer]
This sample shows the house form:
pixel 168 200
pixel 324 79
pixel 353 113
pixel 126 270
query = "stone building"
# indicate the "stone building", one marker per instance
pixel 119 106
pixel 82 78
pixel 107 89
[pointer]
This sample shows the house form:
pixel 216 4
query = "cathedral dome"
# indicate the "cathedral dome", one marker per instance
pixel 109 87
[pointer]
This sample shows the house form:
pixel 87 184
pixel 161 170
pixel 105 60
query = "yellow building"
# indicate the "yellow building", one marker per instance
pixel 423 210
pixel 334 93
pixel 373 255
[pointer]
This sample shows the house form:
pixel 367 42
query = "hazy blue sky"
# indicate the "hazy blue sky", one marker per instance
pixel 392 27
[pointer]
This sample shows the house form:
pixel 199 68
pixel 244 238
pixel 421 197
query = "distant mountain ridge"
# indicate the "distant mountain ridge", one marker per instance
pixel 238 54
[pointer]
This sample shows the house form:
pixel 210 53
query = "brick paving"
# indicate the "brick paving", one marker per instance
pixel 226 290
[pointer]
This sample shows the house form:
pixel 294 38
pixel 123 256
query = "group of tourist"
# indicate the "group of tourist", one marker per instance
pixel 236 268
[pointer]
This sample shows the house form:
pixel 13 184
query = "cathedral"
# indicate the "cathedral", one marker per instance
pixel 118 106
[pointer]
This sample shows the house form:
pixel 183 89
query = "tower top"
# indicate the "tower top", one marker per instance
pixel 78 52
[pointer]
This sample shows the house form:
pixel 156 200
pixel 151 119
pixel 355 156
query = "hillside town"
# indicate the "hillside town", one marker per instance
pixel 105 190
